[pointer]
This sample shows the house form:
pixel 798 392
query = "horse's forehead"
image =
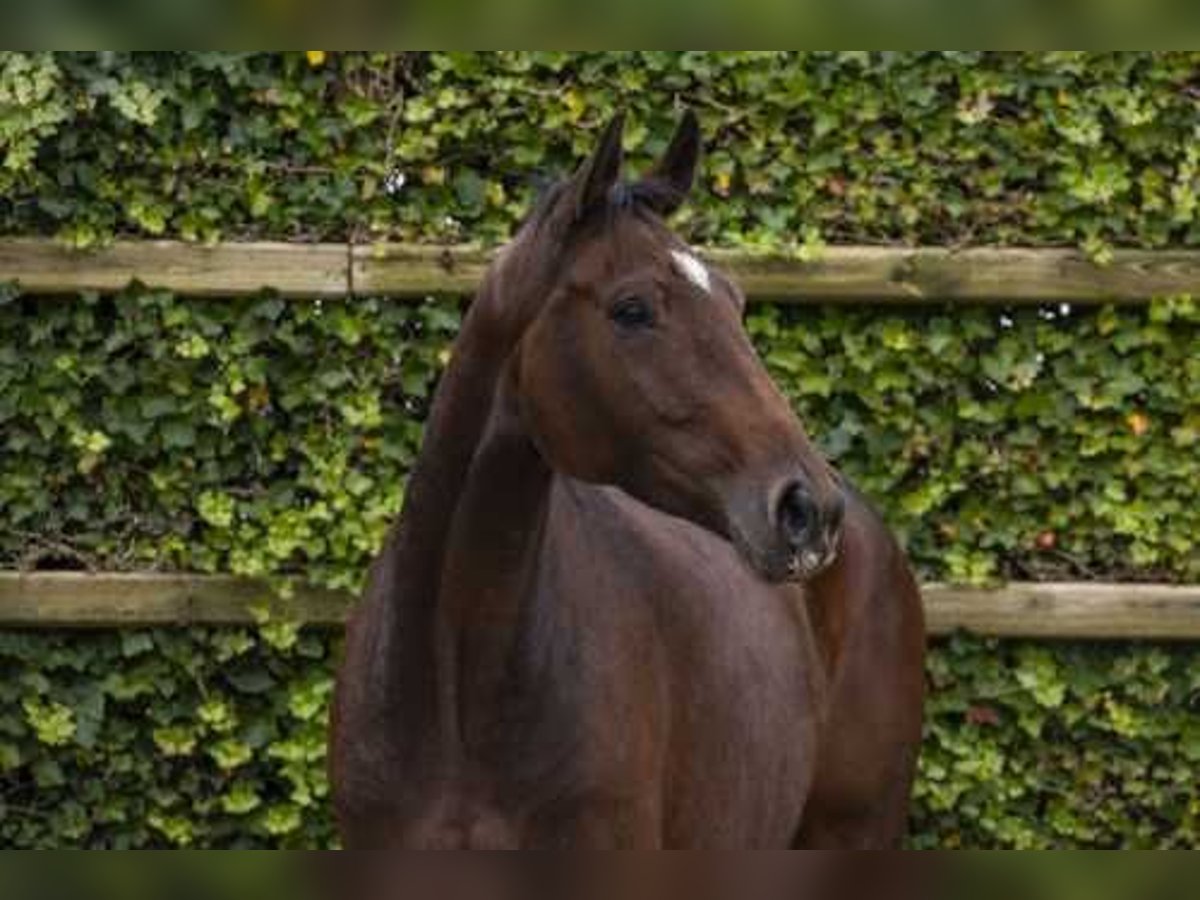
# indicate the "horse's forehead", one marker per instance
pixel 639 245
pixel 690 266
pixel 643 245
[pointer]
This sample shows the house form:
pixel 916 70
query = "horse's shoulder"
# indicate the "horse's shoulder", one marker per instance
pixel 868 539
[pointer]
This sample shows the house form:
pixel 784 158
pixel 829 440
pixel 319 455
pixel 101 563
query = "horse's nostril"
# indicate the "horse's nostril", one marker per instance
pixel 797 514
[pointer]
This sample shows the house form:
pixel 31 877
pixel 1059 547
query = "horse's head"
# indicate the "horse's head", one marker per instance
pixel 633 369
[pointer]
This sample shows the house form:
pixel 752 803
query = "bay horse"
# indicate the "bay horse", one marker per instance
pixel 627 604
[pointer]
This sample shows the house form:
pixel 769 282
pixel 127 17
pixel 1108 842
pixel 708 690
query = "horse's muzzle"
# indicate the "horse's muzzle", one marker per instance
pixel 789 533
pixel 810 531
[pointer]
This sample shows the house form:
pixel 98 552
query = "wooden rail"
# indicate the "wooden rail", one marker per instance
pixel 81 600
pixel 1076 610
pixel 841 274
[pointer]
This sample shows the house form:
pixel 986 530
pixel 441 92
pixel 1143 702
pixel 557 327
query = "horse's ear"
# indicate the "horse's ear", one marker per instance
pixel 590 185
pixel 672 179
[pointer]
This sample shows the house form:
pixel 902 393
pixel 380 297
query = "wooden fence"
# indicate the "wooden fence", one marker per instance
pixel 841 274
pixel 81 600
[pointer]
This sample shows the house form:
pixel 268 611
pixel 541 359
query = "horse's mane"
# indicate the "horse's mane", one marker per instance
pixel 644 197
pixel 650 194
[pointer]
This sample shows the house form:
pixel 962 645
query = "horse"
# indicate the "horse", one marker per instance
pixel 627 605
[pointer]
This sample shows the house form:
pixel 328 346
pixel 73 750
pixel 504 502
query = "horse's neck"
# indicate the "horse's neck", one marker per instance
pixel 398 637
pixel 410 665
pixel 491 566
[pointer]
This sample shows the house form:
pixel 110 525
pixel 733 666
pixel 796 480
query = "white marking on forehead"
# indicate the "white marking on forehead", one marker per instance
pixel 692 269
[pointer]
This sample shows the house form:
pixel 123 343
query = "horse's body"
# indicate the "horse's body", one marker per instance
pixel 643 722
pixel 627 605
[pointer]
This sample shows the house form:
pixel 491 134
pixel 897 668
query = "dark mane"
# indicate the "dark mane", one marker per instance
pixel 643 197
pixel 651 194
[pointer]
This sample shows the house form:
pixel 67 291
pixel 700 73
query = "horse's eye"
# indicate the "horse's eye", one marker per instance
pixel 632 313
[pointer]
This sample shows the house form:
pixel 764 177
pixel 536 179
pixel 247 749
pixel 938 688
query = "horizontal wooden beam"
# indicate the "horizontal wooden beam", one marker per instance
pixel 840 274
pixel 81 600
pixel 222 270
pixel 406 270
pixel 1083 611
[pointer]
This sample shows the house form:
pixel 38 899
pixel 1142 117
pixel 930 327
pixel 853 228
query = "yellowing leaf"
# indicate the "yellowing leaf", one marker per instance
pixel 575 105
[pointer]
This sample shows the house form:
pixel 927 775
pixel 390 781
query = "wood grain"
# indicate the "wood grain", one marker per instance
pixel 895 275
pixel 80 600
pixel 1084 611
pixel 224 270
pixel 1068 610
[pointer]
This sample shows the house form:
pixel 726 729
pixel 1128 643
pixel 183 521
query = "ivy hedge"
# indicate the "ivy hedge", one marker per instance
pixel 271 438
pixel 215 739
pixel 146 431
pixel 932 146
pixel 264 437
